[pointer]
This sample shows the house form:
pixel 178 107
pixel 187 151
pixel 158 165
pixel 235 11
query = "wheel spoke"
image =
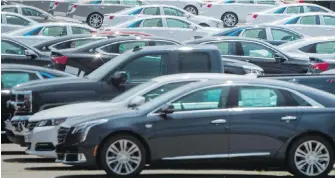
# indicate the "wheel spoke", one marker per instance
pixel 301 164
pixel 308 146
pixel 123 145
pixel 113 149
pixel 319 167
pixel 135 159
pixel 112 160
pixel 300 153
pixel 128 167
pixel 133 149
pixel 324 157
pixel 310 170
pixel 118 168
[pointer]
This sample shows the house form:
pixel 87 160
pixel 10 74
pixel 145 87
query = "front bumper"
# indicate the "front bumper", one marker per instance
pixel 79 155
pixel 17 139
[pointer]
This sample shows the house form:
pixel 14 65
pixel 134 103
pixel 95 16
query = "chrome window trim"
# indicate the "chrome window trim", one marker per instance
pixel 83 38
pixel 27 71
pixel 233 155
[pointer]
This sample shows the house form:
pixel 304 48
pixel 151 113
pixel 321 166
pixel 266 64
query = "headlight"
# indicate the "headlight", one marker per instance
pixel 50 122
pixel 86 126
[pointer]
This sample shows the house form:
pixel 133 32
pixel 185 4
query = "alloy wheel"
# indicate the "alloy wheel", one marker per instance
pixel 312 158
pixel 95 20
pixel 123 157
pixel 229 20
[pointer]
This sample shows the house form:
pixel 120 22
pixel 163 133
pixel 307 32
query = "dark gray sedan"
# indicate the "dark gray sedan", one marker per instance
pixel 233 119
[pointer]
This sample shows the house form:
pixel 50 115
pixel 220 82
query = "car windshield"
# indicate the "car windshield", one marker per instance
pixel 132 91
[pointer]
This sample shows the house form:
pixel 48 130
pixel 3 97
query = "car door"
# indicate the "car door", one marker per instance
pixel 182 30
pixel 329 22
pixel 12 52
pixel 262 119
pixel 153 26
pixel 33 14
pixel 54 31
pixel 309 25
pixel 198 127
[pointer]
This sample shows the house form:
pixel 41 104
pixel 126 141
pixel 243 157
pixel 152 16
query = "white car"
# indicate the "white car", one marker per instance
pixel 165 26
pixel 53 30
pixel 13 21
pixel 284 11
pixel 191 6
pixel 311 24
pixel 43 137
pixel 233 12
pixel 135 12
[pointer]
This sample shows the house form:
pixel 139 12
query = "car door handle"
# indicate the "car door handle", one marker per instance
pixel 288 118
pixel 219 121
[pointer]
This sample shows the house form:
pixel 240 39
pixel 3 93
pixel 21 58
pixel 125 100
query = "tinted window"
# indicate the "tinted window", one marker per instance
pixel 280 11
pixel 278 34
pixel 30 12
pixel 79 30
pixel 112 2
pixel 151 11
pixel 212 98
pixel 153 23
pixel 271 2
pixel 55 31
pixel 173 11
pixel 73 43
pixel 295 10
pixel 10 79
pixel 226 48
pixel 9 9
pixel 163 89
pixel 194 62
pixel 135 24
pixel 255 33
pixel 325 48
pixel 16 20
pixel 144 68
pixel 246 1
pixel 310 20
pixel 329 20
pixel 132 2
pixel 131 45
pixel 256 50
pixel 315 9
pixel 121 48
pixel 11 48
pixel 175 23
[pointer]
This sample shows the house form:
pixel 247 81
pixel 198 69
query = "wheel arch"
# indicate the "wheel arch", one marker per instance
pixel 190 5
pixel 232 13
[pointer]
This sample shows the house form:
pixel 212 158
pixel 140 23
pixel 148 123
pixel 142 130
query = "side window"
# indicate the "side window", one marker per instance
pixel 55 31
pixel 256 50
pixel 16 20
pixel 153 23
pixel 130 45
pixel 295 10
pixel 310 20
pixel 280 10
pixel 255 33
pixel 163 89
pixel 136 24
pixel 151 11
pixel 175 23
pixel 112 2
pixel 271 2
pixel 206 99
pixel 30 12
pixel 10 79
pixel 73 44
pixel 160 43
pixel 144 68
pixel 11 48
pixel 173 12
pixel 283 35
pixel 132 2
pixel 325 48
pixel 252 96
pixel 246 1
pixel 226 48
pixel 329 20
pixel 79 30
pixel 315 9
pixel 194 62
pixel 10 9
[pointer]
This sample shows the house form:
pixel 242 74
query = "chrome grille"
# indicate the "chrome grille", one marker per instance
pixel 32 125
pixel 62 132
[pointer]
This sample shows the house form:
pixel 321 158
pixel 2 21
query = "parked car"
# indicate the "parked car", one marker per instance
pixel 14 74
pixel 42 136
pixel 219 119
pixel 113 78
pixel 165 26
pixel 138 11
pixel 271 59
pixel 284 11
pixel 15 52
pixel 233 12
pixel 36 14
pixel 325 3
pixel 12 21
pixel 53 30
pixel 316 48
pixel 311 24
pixel 273 34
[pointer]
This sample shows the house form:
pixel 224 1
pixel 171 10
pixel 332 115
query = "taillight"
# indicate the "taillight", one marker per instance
pixel 111 17
pixel 301 1
pixel 321 66
pixel 331 81
pixel 255 16
pixel 209 5
pixel 59 59
pixel 74 6
pixel 56 3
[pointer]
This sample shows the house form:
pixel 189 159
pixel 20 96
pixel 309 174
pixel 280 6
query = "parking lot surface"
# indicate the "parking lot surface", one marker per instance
pixel 15 163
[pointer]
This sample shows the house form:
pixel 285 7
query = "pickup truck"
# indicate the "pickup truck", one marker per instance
pixel 114 77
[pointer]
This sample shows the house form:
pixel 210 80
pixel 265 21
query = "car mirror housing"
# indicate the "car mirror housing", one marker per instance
pixel 119 78
pixel 137 101
pixel 30 53
pixel 167 109
pixel 279 58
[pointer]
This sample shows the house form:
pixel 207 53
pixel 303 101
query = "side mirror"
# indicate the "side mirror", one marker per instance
pixel 167 109
pixel 45 16
pixel 193 27
pixel 280 58
pixel 137 101
pixel 119 78
pixel 30 53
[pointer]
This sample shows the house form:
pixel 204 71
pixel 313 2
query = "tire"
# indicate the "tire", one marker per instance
pixel 122 161
pixel 204 25
pixel 229 19
pixel 310 161
pixel 191 9
pixel 95 20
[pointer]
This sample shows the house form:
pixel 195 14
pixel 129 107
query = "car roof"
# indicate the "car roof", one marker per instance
pixel 222 38
pixel 64 38
pixel 165 48
pixel 33 68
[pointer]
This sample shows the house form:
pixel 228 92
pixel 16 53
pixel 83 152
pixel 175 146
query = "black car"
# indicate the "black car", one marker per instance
pixel 14 74
pixel 15 52
pixel 260 53
pixel 241 119
pixel 91 56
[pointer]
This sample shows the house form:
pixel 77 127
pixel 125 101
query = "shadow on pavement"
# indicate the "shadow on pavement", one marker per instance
pixel 64 168
pixel 13 153
pixel 30 160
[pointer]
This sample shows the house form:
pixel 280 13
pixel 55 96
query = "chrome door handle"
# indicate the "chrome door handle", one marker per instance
pixel 219 121
pixel 288 118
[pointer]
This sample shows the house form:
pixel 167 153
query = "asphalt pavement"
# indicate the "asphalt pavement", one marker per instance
pixel 16 164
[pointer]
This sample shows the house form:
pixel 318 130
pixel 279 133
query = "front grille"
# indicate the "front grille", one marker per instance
pixel 19 125
pixel 62 132
pixel 32 125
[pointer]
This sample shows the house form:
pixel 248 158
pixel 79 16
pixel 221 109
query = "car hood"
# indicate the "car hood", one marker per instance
pixel 202 17
pixel 73 110
pixel 66 19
